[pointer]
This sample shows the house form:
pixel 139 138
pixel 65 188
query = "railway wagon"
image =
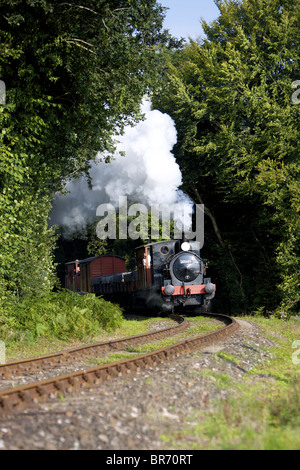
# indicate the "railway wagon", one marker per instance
pixel 80 273
pixel 118 287
pixel 97 266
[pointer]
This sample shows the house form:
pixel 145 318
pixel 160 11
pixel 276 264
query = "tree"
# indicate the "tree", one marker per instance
pixel 230 96
pixel 75 74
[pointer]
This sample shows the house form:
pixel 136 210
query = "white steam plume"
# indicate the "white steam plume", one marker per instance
pixel 147 174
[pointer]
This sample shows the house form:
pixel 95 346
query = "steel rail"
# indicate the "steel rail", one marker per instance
pixel 29 395
pixel 49 360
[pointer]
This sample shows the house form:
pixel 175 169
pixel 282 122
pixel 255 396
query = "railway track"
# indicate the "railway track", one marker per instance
pixel 47 361
pixel 24 396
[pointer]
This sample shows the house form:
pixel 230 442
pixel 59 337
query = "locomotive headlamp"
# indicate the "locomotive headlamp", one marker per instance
pixel 169 289
pixel 185 246
pixel 209 288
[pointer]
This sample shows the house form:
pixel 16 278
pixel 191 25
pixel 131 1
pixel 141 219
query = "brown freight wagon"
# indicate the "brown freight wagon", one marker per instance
pixel 91 268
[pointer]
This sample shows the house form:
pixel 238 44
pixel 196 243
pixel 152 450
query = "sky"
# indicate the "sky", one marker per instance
pixel 184 15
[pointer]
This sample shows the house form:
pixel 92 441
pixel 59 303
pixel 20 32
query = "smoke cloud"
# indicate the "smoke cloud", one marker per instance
pixel 148 174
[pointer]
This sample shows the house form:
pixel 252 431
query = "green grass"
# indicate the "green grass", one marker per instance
pixel 200 327
pixel 54 319
pixel 228 357
pixel 64 320
pixel 150 347
pixel 136 327
pixel 205 325
pixel 42 325
pixel 114 357
pixel 260 412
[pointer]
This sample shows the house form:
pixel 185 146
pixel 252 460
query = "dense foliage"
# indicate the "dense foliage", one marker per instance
pixel 230 95
pixel 74 75
pixel 62 315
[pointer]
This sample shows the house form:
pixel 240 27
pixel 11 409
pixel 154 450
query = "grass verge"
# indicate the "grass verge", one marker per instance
pixel 55 319
pixel 260 411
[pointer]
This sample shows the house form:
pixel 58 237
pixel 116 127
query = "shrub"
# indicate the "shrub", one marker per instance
pixel 63 315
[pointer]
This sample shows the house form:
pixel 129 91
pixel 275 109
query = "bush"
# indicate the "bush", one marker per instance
pixel 63 315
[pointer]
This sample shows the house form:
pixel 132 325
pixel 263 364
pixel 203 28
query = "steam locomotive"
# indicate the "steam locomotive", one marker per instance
pixel 169 275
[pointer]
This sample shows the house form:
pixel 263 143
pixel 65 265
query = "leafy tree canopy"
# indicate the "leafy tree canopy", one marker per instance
pixel 75 75
pixel 230 95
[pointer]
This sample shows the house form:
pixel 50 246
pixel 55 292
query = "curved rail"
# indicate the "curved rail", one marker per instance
pixel 49 360
pixel 28 395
